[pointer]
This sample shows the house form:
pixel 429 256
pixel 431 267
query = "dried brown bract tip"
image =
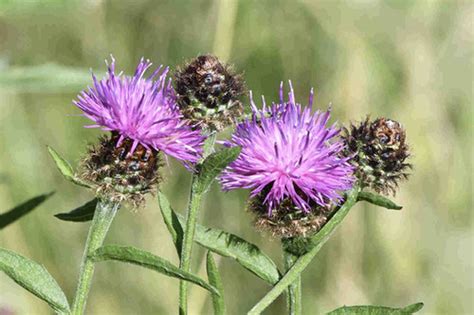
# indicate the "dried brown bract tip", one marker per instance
pixel 380 153
pixel 208 92
pixel 286 220
pixel 117 173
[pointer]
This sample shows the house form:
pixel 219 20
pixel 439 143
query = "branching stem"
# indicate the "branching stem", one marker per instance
pixel 303 261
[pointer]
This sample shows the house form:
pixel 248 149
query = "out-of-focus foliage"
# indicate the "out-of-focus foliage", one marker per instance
pixel 408 60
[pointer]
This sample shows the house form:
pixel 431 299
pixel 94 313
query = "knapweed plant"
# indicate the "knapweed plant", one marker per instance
pixel 303 174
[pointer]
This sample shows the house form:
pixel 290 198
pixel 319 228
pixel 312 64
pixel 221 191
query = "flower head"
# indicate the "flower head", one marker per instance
pixel 380 153
pixel 141 109
pixel 208 92
pixel 288 153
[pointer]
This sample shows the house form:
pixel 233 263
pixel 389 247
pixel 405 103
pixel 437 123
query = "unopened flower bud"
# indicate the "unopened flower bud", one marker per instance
pixel 208 92
pixel 379 153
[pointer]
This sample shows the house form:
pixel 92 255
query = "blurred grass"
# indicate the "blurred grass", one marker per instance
pixel 409 60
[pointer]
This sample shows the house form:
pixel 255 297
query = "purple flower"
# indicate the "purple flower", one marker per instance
pixel 288 152
pixel 141 109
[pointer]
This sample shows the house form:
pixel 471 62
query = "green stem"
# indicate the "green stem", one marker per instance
pixel 103 216
pixel 293 296
pixel 303 261
pixel 195 198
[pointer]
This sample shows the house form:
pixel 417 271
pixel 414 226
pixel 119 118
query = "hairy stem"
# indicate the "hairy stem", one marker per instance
pixel 303 261
pixel 195 198
pixel 103 216
pixel 293 295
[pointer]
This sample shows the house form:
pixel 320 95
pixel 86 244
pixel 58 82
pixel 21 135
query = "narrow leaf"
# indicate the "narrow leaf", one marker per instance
pixel 19 211
pixel 215 280
pixel 66 169
pixel 213 165
pixel 171 221
pixel 376 310
pixel 34 278
pixel 225 244
pixel 145 259
pixel 246 254
pixel 45 78
pixel 83 213
pixel 413 308
pixel 378 200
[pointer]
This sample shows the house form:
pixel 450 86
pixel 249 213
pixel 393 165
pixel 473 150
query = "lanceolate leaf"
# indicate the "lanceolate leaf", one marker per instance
pixel 378 200
pixel 22 210
pixel 222 243
pixel 83 213
pixel 246 254
pixel 46 78
pixel 34 278
pixel 145 259
pixel 171 221
pixel 376 310
pixel 215 280
pixel 66 169
pixel 213 165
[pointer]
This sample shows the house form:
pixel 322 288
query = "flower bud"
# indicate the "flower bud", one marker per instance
pixel 379 153
pixel 208 92
pixel 118 173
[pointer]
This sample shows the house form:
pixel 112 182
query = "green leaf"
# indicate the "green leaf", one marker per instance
pixel 378 200
pixel 215 280
pixel 222 243
pixel 145 259
pixel 34 278
pixel 376 310
pixel 46 78
pixel 83 213
pixel 66 169
pixel 245 253
pixel 171 221
pixel 18 212
pixel 213 165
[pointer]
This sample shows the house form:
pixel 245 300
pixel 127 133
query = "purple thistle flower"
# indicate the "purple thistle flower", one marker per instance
pixel 288 152
pixel 141 109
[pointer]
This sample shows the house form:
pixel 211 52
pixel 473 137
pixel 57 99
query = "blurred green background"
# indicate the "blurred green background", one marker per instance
pixel 408 60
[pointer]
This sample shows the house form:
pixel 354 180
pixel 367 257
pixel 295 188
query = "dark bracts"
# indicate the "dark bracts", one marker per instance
pixel 380 153
pixel 118 173
pixel 208 92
